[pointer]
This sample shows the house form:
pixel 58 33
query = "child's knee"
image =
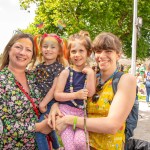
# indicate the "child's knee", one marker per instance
pixel 80 144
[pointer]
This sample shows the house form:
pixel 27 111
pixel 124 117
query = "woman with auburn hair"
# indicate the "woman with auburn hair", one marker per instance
pixel 19 96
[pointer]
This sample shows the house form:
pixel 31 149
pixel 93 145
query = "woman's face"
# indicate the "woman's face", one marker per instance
pixel 107 59
pixel 20 54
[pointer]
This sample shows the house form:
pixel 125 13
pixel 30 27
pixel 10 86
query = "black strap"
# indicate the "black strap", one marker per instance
pixel 115 81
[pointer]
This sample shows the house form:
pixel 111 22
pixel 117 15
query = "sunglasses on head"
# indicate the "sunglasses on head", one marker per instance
pixel 96 96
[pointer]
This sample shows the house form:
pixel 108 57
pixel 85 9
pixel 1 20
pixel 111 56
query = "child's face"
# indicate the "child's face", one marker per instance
pixel 78 54
pixel 50 49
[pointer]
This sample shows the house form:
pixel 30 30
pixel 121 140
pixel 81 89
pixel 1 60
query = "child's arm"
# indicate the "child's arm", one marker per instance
pixel 59 93
pixel 91 80
pixel 49 96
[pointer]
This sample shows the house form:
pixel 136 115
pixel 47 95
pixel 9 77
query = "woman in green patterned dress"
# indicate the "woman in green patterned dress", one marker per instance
pixel 18 114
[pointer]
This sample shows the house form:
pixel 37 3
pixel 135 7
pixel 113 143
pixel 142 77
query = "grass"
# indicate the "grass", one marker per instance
pixel 60 141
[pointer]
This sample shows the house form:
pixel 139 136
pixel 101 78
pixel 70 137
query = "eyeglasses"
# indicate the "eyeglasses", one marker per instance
pixel 96 96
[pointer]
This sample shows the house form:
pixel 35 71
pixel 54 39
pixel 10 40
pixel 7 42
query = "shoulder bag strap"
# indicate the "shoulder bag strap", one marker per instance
pixel 29 98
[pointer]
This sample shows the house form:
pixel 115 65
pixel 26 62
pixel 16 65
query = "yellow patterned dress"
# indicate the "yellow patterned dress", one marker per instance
pixel 100 109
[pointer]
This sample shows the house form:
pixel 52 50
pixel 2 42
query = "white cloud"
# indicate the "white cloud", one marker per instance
pixel 12 18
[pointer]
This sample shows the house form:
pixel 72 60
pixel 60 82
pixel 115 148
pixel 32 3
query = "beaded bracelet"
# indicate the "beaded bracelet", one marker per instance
pixel 75 122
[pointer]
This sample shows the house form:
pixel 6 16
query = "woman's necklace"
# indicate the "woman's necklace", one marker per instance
pixel 100 85
pixel 71 89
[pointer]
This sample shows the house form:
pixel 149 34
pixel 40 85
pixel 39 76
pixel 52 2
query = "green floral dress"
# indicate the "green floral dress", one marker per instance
pixel 16 113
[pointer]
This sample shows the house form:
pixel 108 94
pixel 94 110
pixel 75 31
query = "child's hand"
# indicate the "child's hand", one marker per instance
pixel 42 107
pixel 82 94
pixel 87 70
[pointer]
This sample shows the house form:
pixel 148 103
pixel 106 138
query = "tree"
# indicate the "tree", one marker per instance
pixel 66 17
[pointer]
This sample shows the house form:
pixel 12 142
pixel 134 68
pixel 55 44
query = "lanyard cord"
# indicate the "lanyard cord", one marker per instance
pixel 71 90
pixel 85 118
pixel 100 79
pixel 29 98
pixel 80 106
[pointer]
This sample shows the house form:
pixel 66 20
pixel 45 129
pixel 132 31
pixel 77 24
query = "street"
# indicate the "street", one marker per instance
pixel 143 128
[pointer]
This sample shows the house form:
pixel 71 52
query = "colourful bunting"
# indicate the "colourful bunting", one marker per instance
pixel 41 25
pixel 61 25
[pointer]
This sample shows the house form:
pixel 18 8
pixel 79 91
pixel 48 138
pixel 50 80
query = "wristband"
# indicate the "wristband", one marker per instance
pixel 75 122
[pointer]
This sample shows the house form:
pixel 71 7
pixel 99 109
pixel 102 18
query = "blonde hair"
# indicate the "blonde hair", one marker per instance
pixel 16 37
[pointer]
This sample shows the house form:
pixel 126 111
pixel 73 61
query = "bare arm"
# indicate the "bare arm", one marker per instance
pixel 49 96
pixel 60 95
pixel 91 80
pixel 119 110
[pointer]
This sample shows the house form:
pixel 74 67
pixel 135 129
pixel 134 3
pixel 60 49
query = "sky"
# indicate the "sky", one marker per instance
pixel 12 18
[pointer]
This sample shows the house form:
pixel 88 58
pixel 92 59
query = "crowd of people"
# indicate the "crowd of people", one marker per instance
pixel 63 95
pixel 143 78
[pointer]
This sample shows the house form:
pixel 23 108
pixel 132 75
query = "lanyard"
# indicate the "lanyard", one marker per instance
pixel 71 89
pixel 29 98
pixel 100 82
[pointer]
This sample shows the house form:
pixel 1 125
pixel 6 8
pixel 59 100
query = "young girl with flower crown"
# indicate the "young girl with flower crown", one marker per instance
pixel 47 72
pixel 74 85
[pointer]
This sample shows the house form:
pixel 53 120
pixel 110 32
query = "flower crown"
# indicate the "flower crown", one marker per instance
pixel 52 35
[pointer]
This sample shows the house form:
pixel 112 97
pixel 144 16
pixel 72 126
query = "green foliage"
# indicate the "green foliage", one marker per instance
pixel 95 16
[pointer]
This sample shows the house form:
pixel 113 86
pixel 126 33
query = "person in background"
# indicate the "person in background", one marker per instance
pixel 147 85
pixel 107 113
pixel 142 71
pixel 19 96
pixel 74 85
pixel 47 72
pixel 122 68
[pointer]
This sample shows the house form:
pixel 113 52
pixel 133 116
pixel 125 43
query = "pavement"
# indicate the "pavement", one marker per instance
pixel 143 128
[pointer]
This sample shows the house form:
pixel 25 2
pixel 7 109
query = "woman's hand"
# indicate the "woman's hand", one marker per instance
pixel 60 124
pixel 43 127
pixel 54 111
